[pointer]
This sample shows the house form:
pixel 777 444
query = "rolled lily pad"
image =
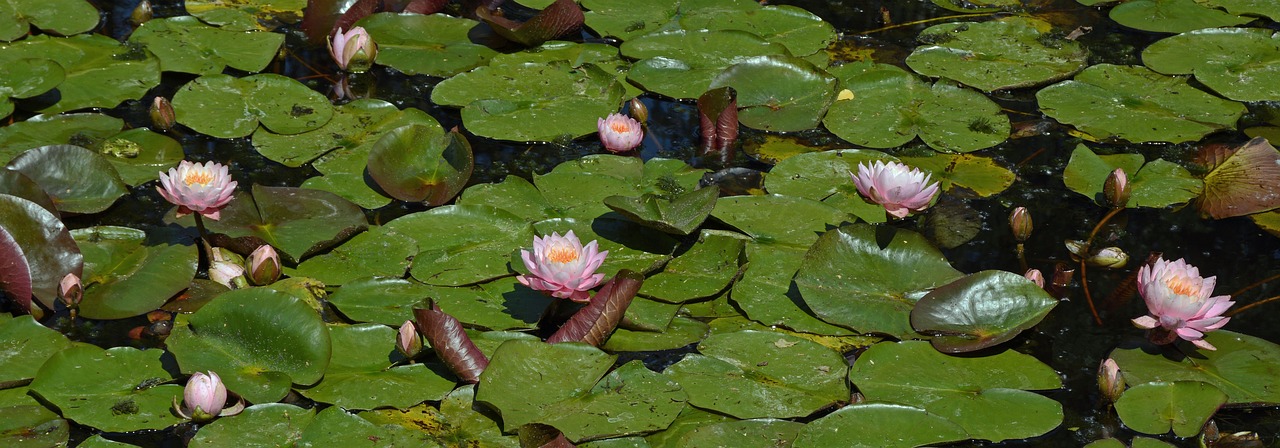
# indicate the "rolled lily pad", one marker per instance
pixel 436 44
pixel 680 215
pixel 888 107
pixel 65 17
pixel 1245 367
pixel 50 251
pixel 868 279
pixel 259 341
pixel 33 426
pixel 981 175
pixel 1158 407
pixel 758 374
pixel 362 373
pixel 462 244
pixel 415 163
pixel 583 402
pixel 78 180
pixel 100 72
pixel 531 101
pixel 20 361
pixel 127 275
pixel 1002 54
pixel 987 396
pixel 879 425
pixel 682 63
pixel 779 93
pixel 228 107
pixel 828 177
pixel 703 270
pixel 1136 104
pixel 296 221
pixel 267 424
pixel 1173 16
pixel 116 390
pixel 1158 183
pixel 25 78
pixel 384 300
pixel 980 310
pixel 376 252
pixel 185 44
pixel 1249 72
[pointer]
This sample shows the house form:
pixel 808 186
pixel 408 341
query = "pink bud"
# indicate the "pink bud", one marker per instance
pixel 1035 276
pixel 264 265
pixel 407 341
pixel 70 290
pixel 204 396
pixel 1020 223
pixel 1116 188
pixel 1110 382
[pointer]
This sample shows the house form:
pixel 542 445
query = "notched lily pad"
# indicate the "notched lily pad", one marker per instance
pixel 228 107
pixel 64 17
pixel 436 44
pixel 118 390
pixel 1002 54
pixel 127 275
pixel 1158 407
pixel 680 214
pixel 185 44
pixel 415 163
pixel 298 222
pixel 100 72
pixel 1173 16
pixel 1158 183
pixel 778 93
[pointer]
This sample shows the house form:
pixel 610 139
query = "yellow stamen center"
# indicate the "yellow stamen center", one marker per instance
pixel 620 127
pixel 1180 286
pixel 197 177
pixel 562 254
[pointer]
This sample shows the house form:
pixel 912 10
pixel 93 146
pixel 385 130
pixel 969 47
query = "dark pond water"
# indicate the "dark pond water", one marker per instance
pixel 1068 340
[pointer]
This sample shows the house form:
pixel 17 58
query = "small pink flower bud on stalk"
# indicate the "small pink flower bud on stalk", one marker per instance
pixel 1020 223
pixel 1116 188
pixel 638 110
pixel 202 188
pixel 408 343
pixel 1179 303
pixel 897 187
pixel 1110 382
pixel 205 398
pixel 263 265
pixel 1036 277
pixel 562 267
pixel 162 115
pixel 619 133
pixel 354 50
pixel 71 291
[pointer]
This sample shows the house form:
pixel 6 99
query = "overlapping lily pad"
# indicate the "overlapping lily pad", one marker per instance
pixel 1173 16
pixel 1250 71
pixel 25 78
pixel 879 425
pixel 1136 104
pixel 44 130
pixel 247 14
pixel 803 33
pixel 778 93
pixel 31 345
pixel 462 244
pixel 185 44
pixel 228 107
pixel 828 177
pixel 33 426
pixel 100 72
pixel 578 188
pixel 680 214
pixel 78 180
pixel 436 44
pixel 296 221
pixel 416 163
pixel 50 252
pixel 363 374
pixel 1158 183
pixel 703 270
pixel 980 310
pixel 682 63
pixel 1245 367
pixel 1002 54
pixel 376 252
pixel 128 274
pixel 117 390
pixel 263 424
pixel 1158 407
pixel 65 17
pixel 502 304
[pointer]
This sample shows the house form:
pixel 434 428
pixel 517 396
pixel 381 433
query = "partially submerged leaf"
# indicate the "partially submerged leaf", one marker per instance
pixel 1247 182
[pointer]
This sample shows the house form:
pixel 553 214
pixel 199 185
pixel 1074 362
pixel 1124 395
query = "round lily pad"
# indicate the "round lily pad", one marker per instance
pixel 185 44
pixel 1001 54
pixel 1158 183
pixel 980 310
pixel 879 425
pixel 228 107
pixel 682 63
pixel 1245 367
pixel 78 180
pixel 436 44
pixel 19 362
pixel 127 274
pixel 1158 407
pixel 779 93
pixel 100 72
pixel 64 17
pixel 362 373
pixel 803 33
pixel 1250 71
pixel 25 78
pixel 116 390
pixel 1172 16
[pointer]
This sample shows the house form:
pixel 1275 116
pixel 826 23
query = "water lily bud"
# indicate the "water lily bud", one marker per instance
pixel 354 50
pixel 1076 248
pixel 1109 257
pixel 1110 382
pixel 264 265
pixel 70 291
pixel 1035 276
pixel 162 115
pixel 638 110
pixel 1020 223
pixel 142 13
pixel 408 342
pixel 204 396
pixel 229 274
pixel 1116 188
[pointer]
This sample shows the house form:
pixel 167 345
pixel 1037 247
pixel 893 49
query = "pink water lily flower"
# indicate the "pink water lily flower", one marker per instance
pixel 562 267
pixel 202 188
pixel 899 188
pixel 353 50
pixel 619 133
pixel 1179 303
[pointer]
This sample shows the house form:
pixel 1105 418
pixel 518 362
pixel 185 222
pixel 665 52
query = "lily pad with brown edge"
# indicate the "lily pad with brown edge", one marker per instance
pixel 185 44
pixel 261 342
pixel 586 401
pixel 879 425
pixel 1002 54
pixel 50 251
pixel 434 45
pixel 778 93
pixel 1173 16
pixel 1246 368
pixel 1179 406
pixel 988 396
pixel 682 63
pixel 129 273
pixel 827 176
pixel 1158 183
pixel 367 372
pixel 415 163
pixel 1247 182
pixel 457 420
pixel 680 214
pixel 868 279
pixel 298 222
pixel 980 310
pixel 1250 71
pixel 228 107
pixel 760 374
pixel 25 78
pixel 462 244
pixel 100 71
pixel 119 390
pixel 77 179
pixel 63 17
pixel 1136 104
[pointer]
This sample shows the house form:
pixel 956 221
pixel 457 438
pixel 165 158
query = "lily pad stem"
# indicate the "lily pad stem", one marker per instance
pixel 1084 279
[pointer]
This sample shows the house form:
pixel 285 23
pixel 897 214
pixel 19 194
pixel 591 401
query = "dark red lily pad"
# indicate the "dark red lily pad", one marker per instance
pixel 50 252
pixel 15 275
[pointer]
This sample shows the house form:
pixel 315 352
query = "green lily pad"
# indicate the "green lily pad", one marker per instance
pixel 858 277
pixel 1158 407
pixel 578 188
pixel 803 33
pixel 703 270
pixel 762 433
pixel 681 332
pixel 980 174
pixel 689 420
pixel 384 300
pixel 84 130
pixel 827 176
pixel 116 390
pixel 267 424
pixel 646 314
pixel 583 402
pixel 78 180
pixel 502 304
pixel 25 78
pixel 680 215
pixel 185 44
pixel 987 396
pixel 50 251
pixel 361 373
pixel 1249 72
pixel 980 6
pixel 779 93
pixel 334 426
pixel 462 244
pixel 354 128
pixel 97 441
pixel 415 163
pixel 259 341
pixel 621 19
pixel 760 374
pixel 515 195
pixel 457 422
pixel 682 63
pixel 17 184
pixel 126 275
pixel 1137 104
pixel 1002 54
pixel 65 17
pixel 879 425
pixel 980 310
pixel 1158 183
pixel 27 345
pixel 140 155
pixel 436 44
pixel 531 101
pixel 1245 367
pixel 888 107
pixel 376 252
pixel 1173 16
pixel 261 12
pixel 32 426
pixel 296 221
pixel 100 72
pixel 602 55
pixel 228 107
pixel 1247 7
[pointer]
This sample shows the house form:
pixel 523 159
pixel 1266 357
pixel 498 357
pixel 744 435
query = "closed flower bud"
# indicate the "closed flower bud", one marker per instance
pixel 1035 276
pixel 204 397
pixel 162 115
pixel 638 110
pixel 1020 223
pixel 1109 257
pixel 71 291
pixel 1110 382
pixel 142 13
pixel 227 273
pixel 354 50
pixel 1116 188
pixel 407 341
pixel 264 265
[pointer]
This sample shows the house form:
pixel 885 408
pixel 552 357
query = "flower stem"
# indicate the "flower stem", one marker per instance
pixel 200 226
pixel 1084 280
pixel 1251 305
